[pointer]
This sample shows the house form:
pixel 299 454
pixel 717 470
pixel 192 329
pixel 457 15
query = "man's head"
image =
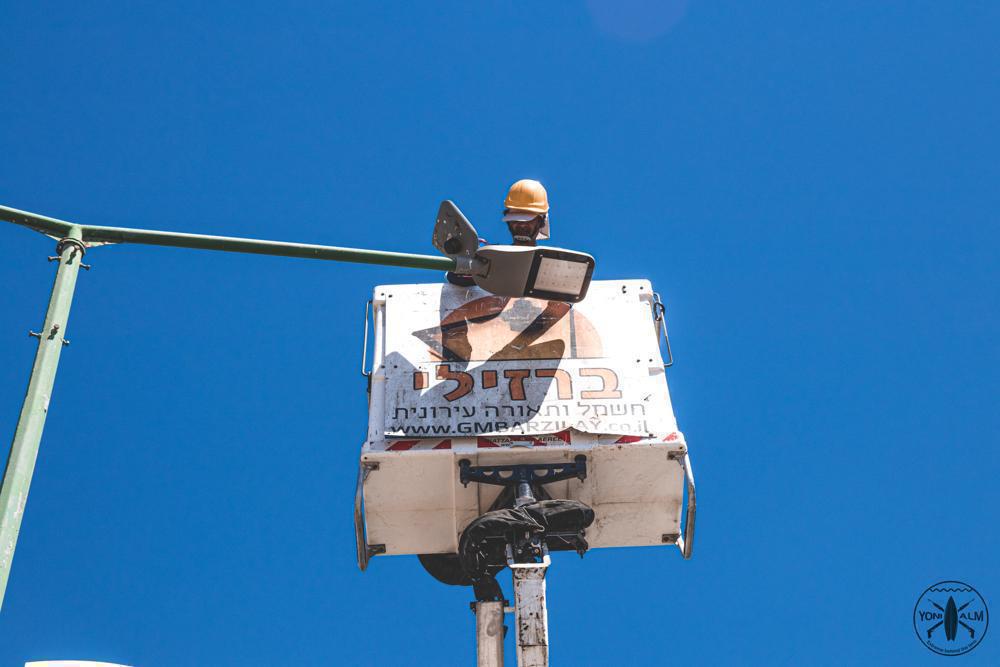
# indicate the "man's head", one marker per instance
pixel 526 212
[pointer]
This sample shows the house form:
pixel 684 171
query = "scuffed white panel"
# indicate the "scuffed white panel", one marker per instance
pixel 460 362
pixel 414 502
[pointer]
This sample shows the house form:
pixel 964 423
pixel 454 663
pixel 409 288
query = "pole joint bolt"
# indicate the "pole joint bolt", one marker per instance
pixel 51 334
pixel 77 244
pixel 61 245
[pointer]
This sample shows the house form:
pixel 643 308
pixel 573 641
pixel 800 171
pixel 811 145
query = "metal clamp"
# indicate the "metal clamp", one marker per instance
pixel 661 326
pixel 77 243
pixel 50 335
pixel 524 480
pixel 686 543
pixel 364 347
pixel 514 565
pixel 531 473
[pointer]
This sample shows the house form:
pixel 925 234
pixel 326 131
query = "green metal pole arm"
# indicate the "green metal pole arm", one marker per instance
pixel 40 223
pixel 93 234
pixel 27 436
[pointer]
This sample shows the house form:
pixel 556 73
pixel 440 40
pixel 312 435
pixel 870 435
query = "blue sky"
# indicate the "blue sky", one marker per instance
pixel 811 186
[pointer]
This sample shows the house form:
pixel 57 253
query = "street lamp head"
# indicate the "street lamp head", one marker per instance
pixel 539 272
pixel 512 270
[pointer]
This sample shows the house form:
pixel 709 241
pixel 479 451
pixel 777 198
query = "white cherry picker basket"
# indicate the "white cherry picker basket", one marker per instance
pixel 461 374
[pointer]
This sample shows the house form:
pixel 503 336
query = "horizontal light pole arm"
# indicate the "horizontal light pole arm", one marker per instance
pixel 40 223
pixel 261 247
pixel 94 234
pixel 72 241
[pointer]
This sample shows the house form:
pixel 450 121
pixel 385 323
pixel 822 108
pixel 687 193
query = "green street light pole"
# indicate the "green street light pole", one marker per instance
pixel 72 242
pixel 24 448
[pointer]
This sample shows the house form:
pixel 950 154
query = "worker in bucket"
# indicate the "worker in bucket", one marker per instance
pixel 526 212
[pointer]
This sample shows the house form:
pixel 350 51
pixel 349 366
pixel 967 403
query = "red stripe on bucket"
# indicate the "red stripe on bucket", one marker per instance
pixel 402 445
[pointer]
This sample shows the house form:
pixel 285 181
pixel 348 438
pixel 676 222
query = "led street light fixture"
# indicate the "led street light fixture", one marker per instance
pixel 507 270
pixel 540 272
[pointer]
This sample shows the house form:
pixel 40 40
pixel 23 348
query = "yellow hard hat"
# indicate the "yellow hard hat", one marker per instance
pixel 527 195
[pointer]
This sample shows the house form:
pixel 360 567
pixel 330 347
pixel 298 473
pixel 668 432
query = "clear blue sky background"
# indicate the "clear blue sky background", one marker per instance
pixel 812 187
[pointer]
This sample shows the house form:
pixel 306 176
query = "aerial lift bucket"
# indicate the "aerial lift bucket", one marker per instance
pixel 461 375
pixel 468 389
